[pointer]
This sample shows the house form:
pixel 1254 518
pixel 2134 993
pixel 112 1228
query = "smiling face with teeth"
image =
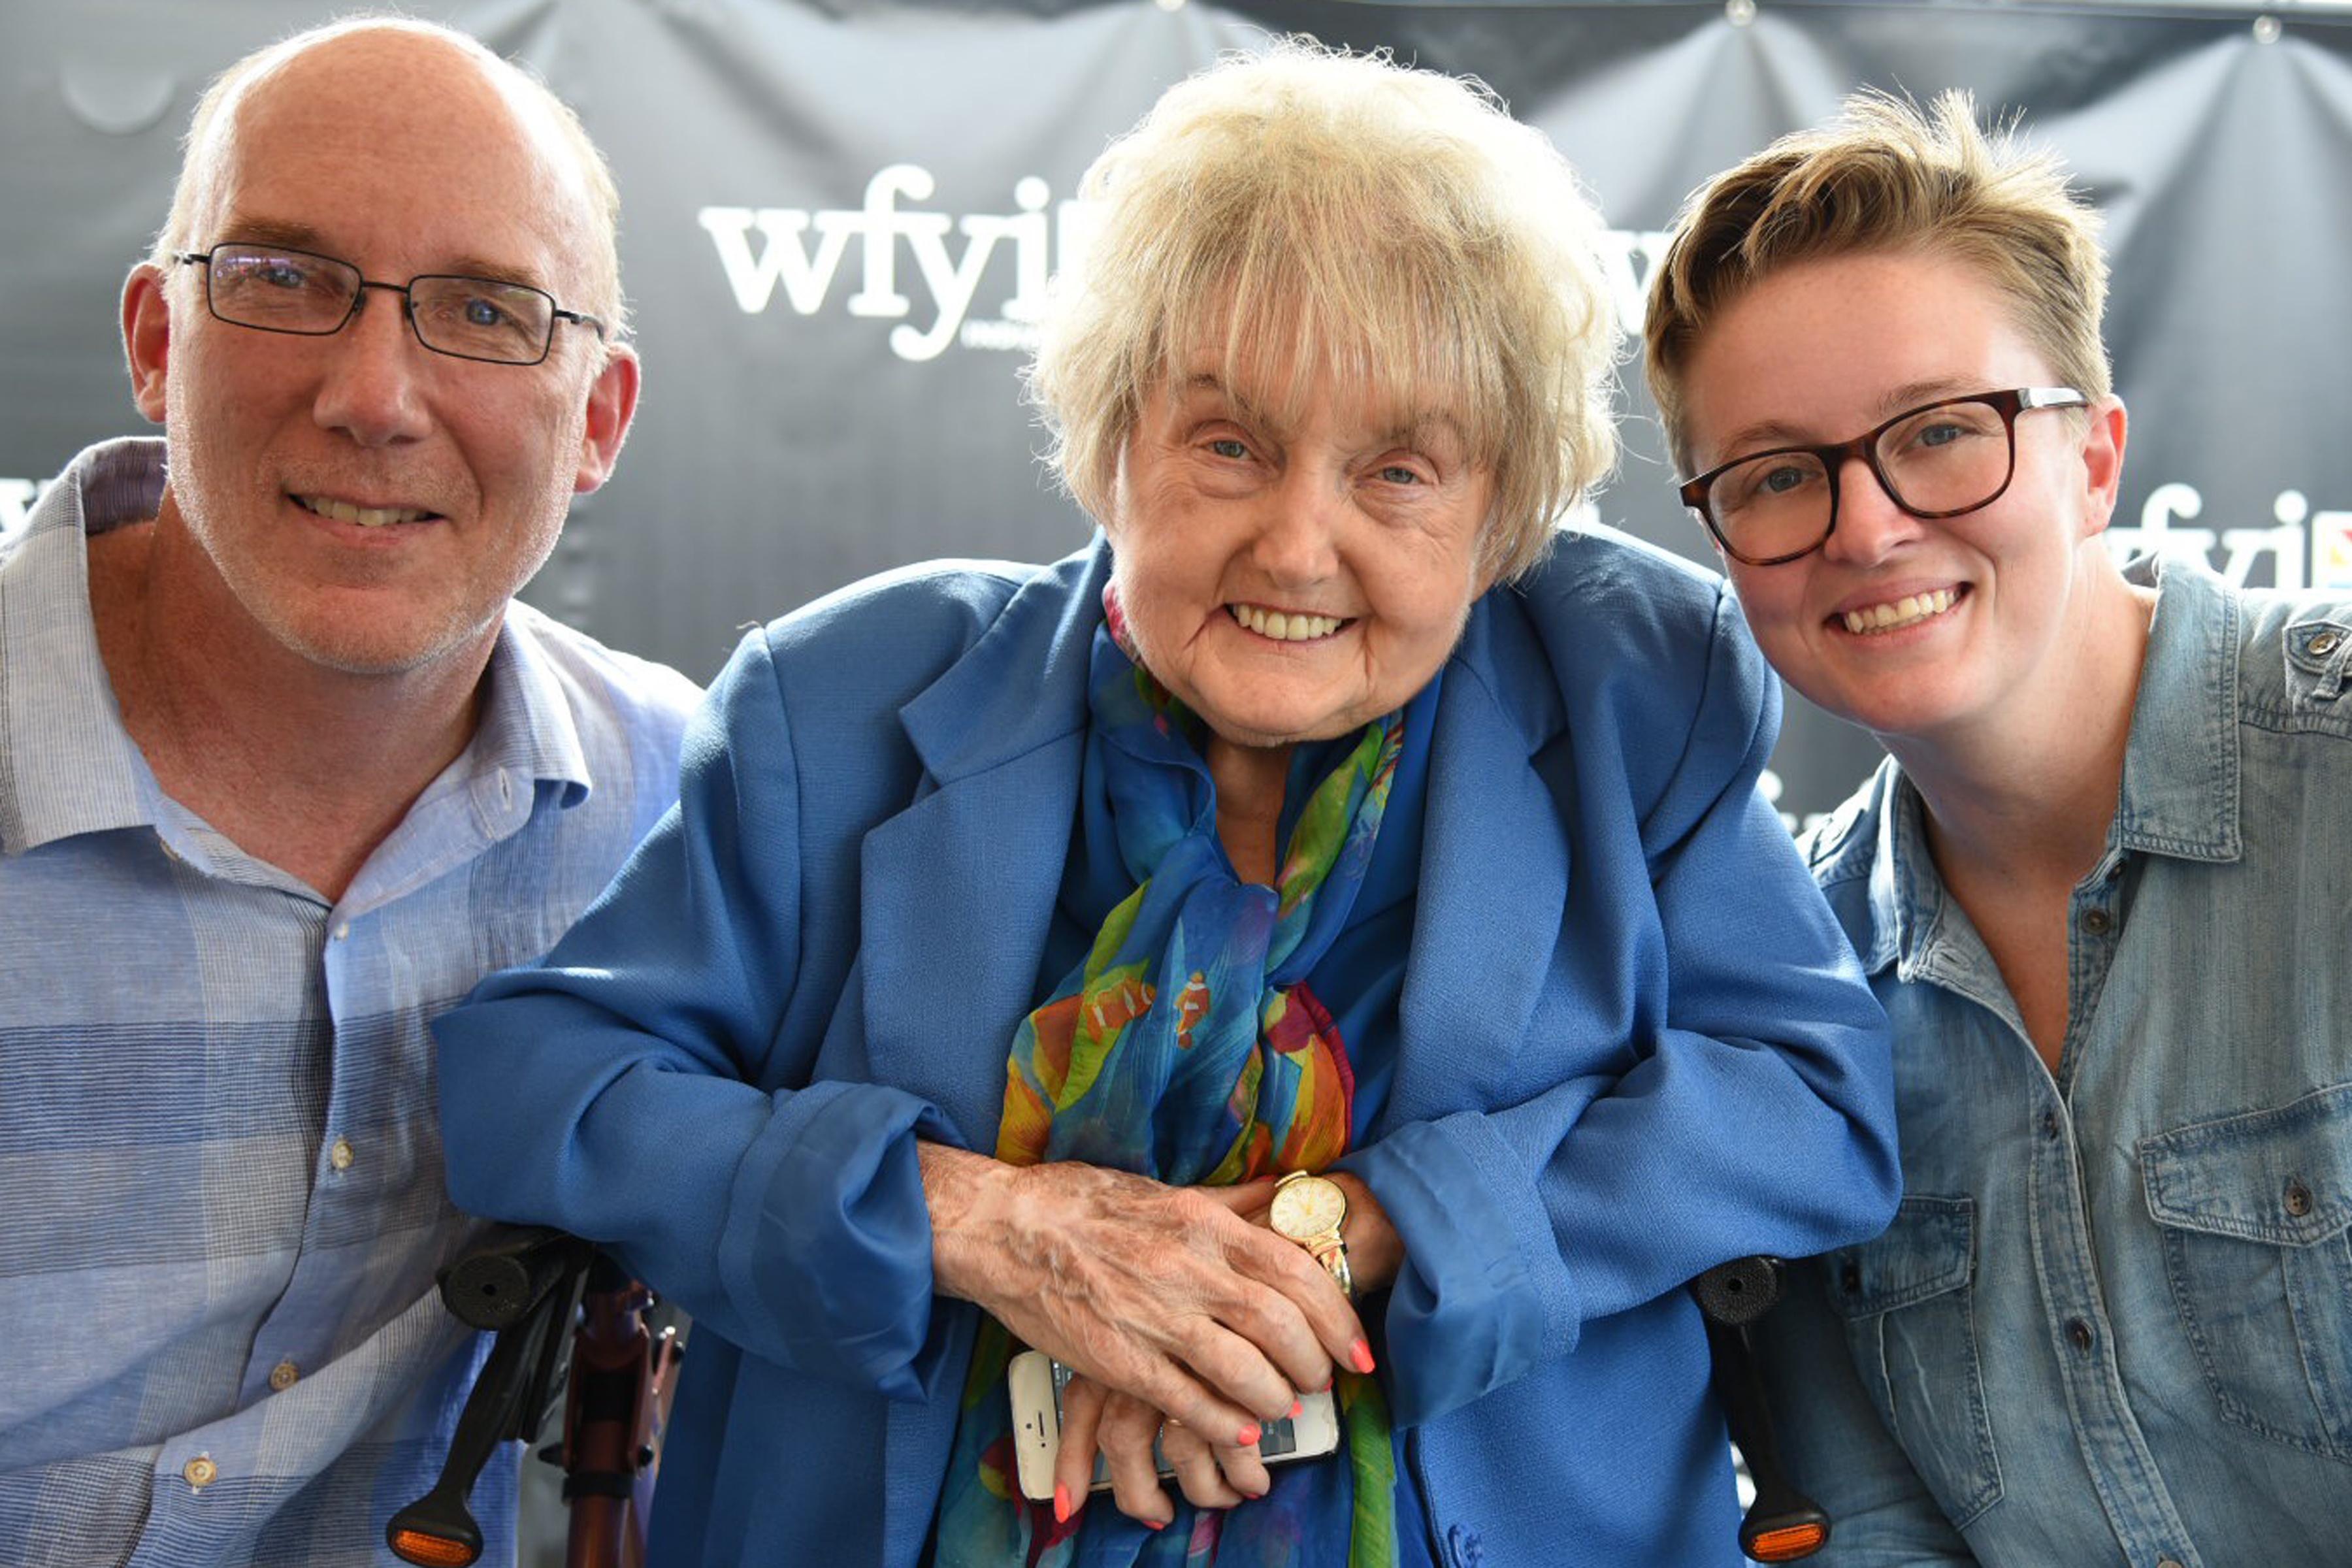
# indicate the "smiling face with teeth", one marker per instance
pixel 1294 576
pixel 1910 626
pixel 355 500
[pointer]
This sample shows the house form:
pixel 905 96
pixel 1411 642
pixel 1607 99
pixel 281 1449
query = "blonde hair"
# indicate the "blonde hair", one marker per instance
pixel 1887 176
pixel 209 142
pixel 1323 214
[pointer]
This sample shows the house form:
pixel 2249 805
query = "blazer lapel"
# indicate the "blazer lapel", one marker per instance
pixel 957 890
pixel 1494 884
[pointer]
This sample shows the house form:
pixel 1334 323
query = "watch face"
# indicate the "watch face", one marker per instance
pixel 1311 1208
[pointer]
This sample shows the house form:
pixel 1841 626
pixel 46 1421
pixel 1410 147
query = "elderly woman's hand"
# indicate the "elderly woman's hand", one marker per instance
pixel 1159 1292
pixel 1123 1429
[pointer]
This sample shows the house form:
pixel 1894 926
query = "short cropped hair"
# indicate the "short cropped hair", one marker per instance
pixel 1887 176
pixel 1320 213
pixel 209 129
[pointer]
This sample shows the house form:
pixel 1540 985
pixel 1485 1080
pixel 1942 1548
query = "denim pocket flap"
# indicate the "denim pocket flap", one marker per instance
pixel 2282 1177
pixel 1928 1251
pixel 2318 645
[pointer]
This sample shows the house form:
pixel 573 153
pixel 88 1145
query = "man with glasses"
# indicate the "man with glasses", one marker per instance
pixel 2099 882
pixel 283 772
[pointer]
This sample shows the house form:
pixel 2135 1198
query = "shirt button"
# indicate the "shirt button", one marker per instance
pixel 2050 1124
pixel 339 1156
pixel 1850 1280
pixel 2323 645
pixel 2167 1563
pixel 2115 871
pixel 342 931
pixel 284 1375
pixel 2078 1333
pixel 2096 921
pixel 2298 1197
pixel 200 1472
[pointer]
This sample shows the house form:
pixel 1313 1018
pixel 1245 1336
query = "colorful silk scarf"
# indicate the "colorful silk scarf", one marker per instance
pixel 1188 1047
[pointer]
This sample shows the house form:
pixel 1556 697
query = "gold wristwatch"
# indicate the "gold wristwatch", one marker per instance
pixel 1309 1210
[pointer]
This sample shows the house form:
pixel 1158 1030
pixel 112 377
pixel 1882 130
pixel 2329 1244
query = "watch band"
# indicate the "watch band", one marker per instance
pixel 1333 1257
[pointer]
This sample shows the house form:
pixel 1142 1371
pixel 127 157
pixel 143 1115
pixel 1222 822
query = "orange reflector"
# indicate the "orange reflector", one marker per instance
pixel 432 1551
pixel 1788 1543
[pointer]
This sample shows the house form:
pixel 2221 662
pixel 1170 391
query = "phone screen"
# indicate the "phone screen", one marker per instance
pixel 1276 1439
pixel 1036 1384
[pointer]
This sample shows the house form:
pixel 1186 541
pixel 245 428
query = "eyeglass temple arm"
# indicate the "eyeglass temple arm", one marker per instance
pixel 581 318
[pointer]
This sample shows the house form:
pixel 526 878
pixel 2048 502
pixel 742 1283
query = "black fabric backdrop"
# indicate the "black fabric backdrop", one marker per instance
pixel 839 216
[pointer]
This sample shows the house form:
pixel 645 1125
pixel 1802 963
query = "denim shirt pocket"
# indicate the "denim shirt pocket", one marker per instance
pixel 2256 1215
pixel 1908 1300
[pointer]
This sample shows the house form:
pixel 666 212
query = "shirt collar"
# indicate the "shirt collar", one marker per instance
pixel 2181 768
pixel 528 725
pixel 2179 794
pixel 1889 841
pixel 67 764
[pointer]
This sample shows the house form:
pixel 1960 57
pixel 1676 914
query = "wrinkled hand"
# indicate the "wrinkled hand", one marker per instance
pixel 1122 1429
pixel 1162 1293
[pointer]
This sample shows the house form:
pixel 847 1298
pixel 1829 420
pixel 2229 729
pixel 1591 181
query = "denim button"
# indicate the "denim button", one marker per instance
pixel 1462 1545
pixel 2096 921
pixel 2167 1563
pixel 1850 1278
pixel 2298 1197
pixel 2323 645
pixel 2050 1124
pixel 2078 1333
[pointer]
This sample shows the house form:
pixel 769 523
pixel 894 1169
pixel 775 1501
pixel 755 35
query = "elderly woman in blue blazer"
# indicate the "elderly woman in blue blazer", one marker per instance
pixel 1330 813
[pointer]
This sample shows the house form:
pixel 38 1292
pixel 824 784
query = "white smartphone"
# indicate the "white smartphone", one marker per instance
pixel 1037 1380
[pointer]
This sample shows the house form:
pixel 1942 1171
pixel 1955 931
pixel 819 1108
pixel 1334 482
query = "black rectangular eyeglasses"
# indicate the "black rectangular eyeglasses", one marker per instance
pixel 273 289
pixel 1941 459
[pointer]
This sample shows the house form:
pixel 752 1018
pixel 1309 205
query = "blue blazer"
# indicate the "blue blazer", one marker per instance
pixel 1633 1044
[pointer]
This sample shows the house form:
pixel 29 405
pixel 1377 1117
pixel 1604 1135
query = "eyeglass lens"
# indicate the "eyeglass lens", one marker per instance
pixel 1948 458
pixel 281 290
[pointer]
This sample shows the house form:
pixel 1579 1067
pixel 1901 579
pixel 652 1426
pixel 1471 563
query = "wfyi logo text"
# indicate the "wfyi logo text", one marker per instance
pixel 792 256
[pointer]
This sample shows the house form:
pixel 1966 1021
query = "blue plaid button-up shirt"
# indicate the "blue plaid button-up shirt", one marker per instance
pixel 221 1201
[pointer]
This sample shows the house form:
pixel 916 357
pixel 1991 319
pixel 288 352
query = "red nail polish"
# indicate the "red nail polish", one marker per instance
pixel 1250 1435
pixel 1155 1524
pixel 1297 1408
pixel 1360 1356
pixel 1061 1503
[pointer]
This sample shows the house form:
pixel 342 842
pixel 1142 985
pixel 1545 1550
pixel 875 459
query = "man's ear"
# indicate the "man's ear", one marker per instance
pixel 612 404
pixel 147 337
pixel 2103 462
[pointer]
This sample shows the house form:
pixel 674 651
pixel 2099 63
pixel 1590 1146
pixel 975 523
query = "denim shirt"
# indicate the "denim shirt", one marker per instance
pixel 2112 1321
